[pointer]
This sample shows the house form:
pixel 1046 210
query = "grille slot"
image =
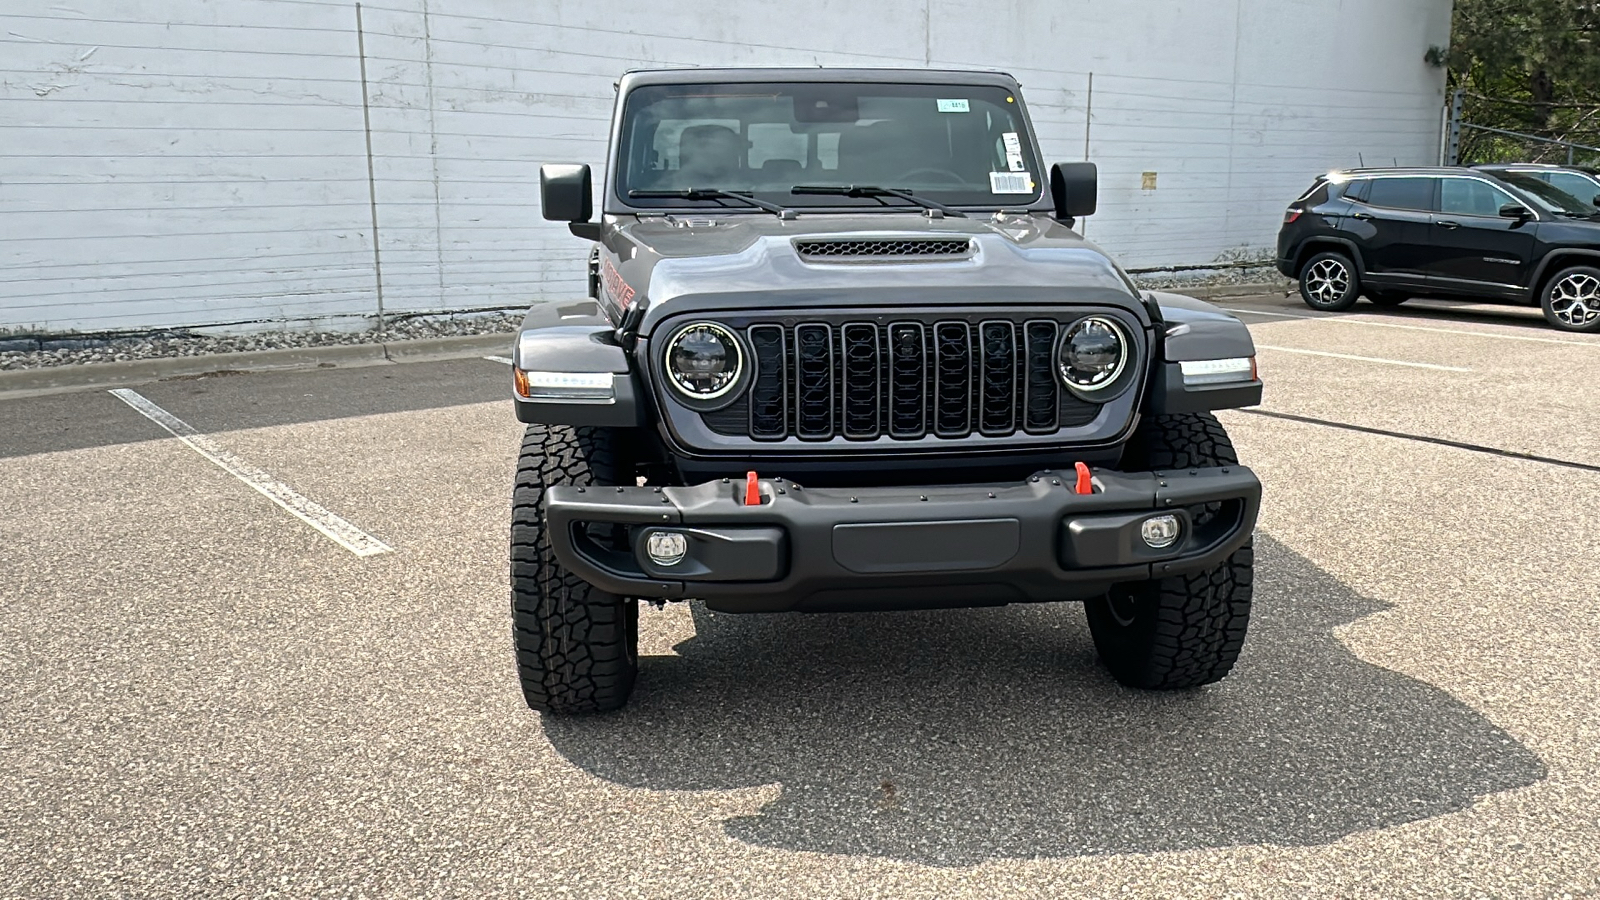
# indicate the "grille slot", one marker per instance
pixel 769 395
pixel 833 377
pixel 883 247
pixel 862 396
pixel 813 365
pixel 997 410
pixel 952 380
pixel 1041 389
pixel 908 377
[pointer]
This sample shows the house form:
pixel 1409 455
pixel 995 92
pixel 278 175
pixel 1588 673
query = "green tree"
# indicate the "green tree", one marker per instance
pixel 1527 65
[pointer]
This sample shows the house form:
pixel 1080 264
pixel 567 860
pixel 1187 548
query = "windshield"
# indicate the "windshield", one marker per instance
pixel 1545 196
pixel 960 145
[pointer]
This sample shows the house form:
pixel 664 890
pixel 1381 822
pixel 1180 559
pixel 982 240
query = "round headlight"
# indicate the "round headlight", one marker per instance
pixel 704 361
pixel 1093 353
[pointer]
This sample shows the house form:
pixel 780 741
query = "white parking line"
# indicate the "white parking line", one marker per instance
pixel 1370 359
pixel 341 532
pixel 1497 335
pixel 500 359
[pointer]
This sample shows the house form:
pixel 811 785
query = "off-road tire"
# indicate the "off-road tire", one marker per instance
pixel 1570 299
pixel 1184 631
pixel 577 646
pixel 1329 282
pixel 1386 299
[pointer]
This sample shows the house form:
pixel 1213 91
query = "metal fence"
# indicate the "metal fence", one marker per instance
pixel 1467 143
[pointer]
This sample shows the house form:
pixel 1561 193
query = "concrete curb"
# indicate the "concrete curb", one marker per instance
pixel 91 376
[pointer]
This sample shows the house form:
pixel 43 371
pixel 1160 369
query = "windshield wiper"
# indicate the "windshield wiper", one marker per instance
pixel 715 194
pixel 868 190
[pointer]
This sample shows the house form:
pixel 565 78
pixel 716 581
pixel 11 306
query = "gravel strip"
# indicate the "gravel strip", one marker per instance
pixel 38 353
pixel 43 352
pixel 1178 281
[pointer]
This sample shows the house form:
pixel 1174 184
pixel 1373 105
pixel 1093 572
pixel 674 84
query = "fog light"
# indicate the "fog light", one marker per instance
pixel 666 548
pixel 1160 532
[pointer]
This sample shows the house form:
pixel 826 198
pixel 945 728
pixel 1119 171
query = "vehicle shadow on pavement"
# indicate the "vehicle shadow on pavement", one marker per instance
pixel 955 737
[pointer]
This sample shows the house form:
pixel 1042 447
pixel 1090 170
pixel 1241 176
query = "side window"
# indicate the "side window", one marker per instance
pixel 1357 190
pixel 1470 197
pixel 1402 193
pixel 1576 185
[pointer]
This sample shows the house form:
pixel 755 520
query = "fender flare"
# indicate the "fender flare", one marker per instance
pixel 575 338
pixel 1346 243
pixel 1544 266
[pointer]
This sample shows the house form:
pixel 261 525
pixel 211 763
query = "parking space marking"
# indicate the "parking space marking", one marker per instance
pixel 336 529
pixel 500 359
pixel 1370 359
pixel 1497 335
pixel 1423 439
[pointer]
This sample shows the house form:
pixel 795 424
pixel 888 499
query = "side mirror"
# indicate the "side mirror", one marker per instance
pixel 1514 211
pixel 1597 200
pixel 1074 187
pixel 566 195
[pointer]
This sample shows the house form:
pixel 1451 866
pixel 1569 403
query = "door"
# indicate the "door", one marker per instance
pixel 1391 223
pixel 1474 248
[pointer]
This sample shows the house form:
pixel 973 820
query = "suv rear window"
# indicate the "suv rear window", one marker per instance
pixel 1315 194
pixel 1402 193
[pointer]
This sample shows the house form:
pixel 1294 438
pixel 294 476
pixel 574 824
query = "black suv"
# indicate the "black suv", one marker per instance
pixel 1444 232
pixel 843 351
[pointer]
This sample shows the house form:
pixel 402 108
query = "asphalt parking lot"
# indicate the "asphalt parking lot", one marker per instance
pixel 206 695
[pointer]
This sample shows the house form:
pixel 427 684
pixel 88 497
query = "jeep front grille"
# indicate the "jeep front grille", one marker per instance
pixel 882 247
pixel 904 379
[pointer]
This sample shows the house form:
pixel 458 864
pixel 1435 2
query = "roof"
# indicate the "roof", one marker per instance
pixel 1533 167
pixel 1405 170
pixel 710 75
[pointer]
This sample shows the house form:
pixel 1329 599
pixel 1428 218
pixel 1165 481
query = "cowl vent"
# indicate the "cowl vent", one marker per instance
pixel 881 248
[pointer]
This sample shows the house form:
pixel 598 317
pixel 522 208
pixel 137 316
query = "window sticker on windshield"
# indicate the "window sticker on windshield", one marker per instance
pixel 1013 145
pixel 954 106
pixel 1010 183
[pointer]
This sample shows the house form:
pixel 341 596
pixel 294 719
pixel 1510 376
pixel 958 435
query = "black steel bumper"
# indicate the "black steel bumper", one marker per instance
pixel 903 548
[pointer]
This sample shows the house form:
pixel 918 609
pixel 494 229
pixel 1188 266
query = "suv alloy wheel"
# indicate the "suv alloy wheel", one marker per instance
pixel 1328 281
pixel 1571 300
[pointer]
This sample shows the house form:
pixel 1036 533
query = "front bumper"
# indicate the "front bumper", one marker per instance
pixel 903 547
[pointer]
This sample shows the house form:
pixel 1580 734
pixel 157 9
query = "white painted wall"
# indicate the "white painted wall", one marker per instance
pixel 202 162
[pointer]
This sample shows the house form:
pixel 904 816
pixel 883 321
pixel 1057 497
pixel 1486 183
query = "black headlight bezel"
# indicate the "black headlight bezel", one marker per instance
pixel 1123 377
pixel 727 396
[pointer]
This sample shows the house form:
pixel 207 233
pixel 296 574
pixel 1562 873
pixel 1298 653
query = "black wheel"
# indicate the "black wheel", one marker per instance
pixel 577 646
pixel 1571 300
pixel 1183 631
pixel 1328 281
pixel 1386 298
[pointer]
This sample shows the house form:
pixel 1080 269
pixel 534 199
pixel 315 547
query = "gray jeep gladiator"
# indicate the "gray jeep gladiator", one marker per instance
pixel 844 351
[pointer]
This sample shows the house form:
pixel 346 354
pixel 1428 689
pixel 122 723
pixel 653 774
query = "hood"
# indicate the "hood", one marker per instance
pixel 700 261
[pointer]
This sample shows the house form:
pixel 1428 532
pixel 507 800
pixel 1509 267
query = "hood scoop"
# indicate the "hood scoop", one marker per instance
pixel 883 248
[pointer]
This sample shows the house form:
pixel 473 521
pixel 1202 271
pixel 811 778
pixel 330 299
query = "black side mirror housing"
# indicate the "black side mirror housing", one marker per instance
pixel 1597 201
pixel 1074 187
pixel 566 194
pixel 1514 211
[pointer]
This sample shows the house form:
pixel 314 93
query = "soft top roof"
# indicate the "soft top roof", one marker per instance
pixel 636 77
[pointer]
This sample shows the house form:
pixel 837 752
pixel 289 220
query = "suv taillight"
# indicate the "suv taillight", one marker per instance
pixel 1291 215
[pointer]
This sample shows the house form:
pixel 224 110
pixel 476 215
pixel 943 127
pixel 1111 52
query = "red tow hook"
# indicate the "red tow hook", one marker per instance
pixel 1085 484
pixel 752 489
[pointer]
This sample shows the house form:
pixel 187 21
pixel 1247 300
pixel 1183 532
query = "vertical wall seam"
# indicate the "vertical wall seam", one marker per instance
pixel 433 145
pixel 1233 125
pixel 372 178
